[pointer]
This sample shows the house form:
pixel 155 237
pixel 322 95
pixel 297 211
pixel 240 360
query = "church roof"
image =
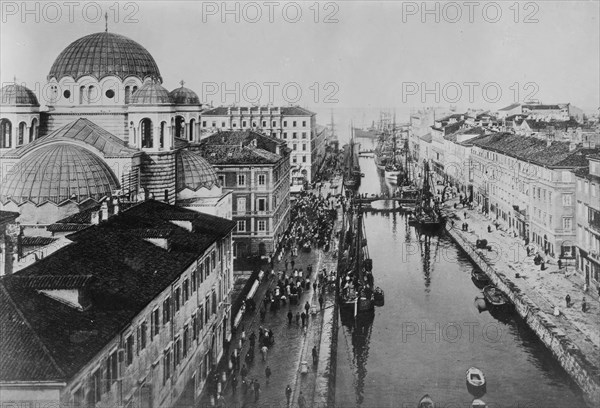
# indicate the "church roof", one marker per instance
pixel 194 172
pixel 103 54
pixel 58 173
pixel 81 130
pixel 184 96
pixel 151 93
pixel 17 95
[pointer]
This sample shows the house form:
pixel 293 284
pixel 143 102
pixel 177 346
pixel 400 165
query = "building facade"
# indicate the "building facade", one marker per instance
pixel 139 309
pixel 294 125
pixel 256 168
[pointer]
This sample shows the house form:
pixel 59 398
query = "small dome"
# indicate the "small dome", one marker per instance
pixel 194 172
pixel 103 54
pixel 184 96
pixel 15 94
pixel 56 173
pixel 151 93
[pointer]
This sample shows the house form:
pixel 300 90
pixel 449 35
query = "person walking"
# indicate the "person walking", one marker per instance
pixel 234 383
pixel 264 350
pixel 303 317
pixel 288 393
pixel 583 306
pixel 244 372
pixel 321 302
pixel 297 318
pixel 290 316
pixel 268 373
pixel 293 263
pixel 252 339
pixel 256 390
pixel 307 307
pixel 568 300
pixel 243 338
pixel 315 355
pixel 301 401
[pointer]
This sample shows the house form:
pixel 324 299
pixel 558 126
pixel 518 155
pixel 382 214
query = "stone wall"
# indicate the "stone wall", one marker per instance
pixel 158 175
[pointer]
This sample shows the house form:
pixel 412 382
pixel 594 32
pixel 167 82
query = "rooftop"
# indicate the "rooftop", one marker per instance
pixel 120 272
pixel 236 147
pixel 284 110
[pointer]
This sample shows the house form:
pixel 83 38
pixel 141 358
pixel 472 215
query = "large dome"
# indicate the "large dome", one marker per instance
pixel 104 54
pixel 56 173
pixel 194 172
pixel 17 95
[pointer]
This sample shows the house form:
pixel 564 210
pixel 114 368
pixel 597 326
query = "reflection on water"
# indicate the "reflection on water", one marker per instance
pixel 411 346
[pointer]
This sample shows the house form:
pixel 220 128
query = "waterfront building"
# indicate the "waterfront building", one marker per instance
pixel 256 167
pixel 293 124
pixel 587 196
pixel 108 129
pixel 547 112
pixel 457 155
pixel 510 110
pixel 134 312
pixel 528 185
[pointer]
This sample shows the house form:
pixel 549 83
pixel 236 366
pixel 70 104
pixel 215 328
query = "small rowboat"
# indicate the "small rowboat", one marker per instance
pixel 475 378
pixel 477 403
pixel 479 278
pixel 426 402
pixel 494 297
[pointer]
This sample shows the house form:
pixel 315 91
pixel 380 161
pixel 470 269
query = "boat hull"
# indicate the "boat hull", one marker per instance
pixel 392 174
pixel 476 384
pixel 495 298
pixel 426 402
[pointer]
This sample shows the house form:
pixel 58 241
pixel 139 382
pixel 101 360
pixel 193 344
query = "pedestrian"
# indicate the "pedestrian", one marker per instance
pixel 264 351
pixel 321 302
pixel 252 339
pixel 244 372
pixel 256 390
pixel 465 214
pixel 583 306
pixel 301 401
pixel 315 285
pixel 303 317
pixel 234 382
pixel 243 335
pixel 314 355
pixel 268 373
pixel 290 316
pixel 293 263
pixel 297 318
pixel 568 300
pixel 307 307
pixel 288 393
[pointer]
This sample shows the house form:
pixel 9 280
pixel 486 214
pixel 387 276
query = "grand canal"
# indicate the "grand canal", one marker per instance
pixel 432 328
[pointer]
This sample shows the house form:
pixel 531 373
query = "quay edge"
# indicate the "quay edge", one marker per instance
pixel 584 372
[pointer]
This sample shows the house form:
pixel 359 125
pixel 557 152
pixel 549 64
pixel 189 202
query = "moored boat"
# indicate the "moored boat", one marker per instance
pixel 476 384
pixel 477 403
pixel 479 278
pixel 426 402
pixel 494 297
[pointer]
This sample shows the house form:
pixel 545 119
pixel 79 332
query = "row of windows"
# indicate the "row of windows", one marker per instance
pixel 6 133
pixel 587 188
pixel 261 225
pixel 261 180
pixel 254 124
pixel 295 159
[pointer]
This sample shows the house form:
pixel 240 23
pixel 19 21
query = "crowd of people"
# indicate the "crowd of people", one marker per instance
pixel 312 219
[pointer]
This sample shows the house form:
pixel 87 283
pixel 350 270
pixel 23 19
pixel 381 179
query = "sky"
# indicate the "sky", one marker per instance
pixel 353 56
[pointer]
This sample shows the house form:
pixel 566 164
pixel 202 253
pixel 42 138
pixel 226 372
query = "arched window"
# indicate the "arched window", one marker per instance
pixel 179 127
pixel 163 127
pixel 33 130
pixel 133 89
pixel 146 133
pixel 22 130
pixel 90 94
pixel 127 94
pixel 5 133
pixel 192 125
pixel 81 94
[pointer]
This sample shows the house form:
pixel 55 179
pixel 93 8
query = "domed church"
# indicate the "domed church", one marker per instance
pixel 109 129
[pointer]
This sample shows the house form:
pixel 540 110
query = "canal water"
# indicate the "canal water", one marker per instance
pixel 433 327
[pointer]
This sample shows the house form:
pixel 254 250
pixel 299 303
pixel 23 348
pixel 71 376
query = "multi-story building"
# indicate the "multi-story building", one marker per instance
pixel 256 167
pixel 294 125
pixel 135 309
pixel 559 111
pixel 528 184
pixel 588 220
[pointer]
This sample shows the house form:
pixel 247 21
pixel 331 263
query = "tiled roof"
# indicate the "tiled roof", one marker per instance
pixel 8 216
pixel 452 137
pixel 194 171
pixel 534 150
pixel 151 93
pixel 284 110
pixel 37 241
pixel 83 131
pixel 426 138
pixel 17 95
pixel 246 146
pixel 121 273
pixel 541 107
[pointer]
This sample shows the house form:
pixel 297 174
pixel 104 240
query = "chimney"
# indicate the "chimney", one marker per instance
pixel 104 211
pixel 95 217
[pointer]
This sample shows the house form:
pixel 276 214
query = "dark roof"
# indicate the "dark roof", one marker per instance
pixel 37 241
pixel 17 95
pixel 120 273
pixel 531 149
pixel 541 107
pixel 235 110
pixel 452 137
pixel 8 216
pixel 510 107
pixel 426 138
pixel 247 147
